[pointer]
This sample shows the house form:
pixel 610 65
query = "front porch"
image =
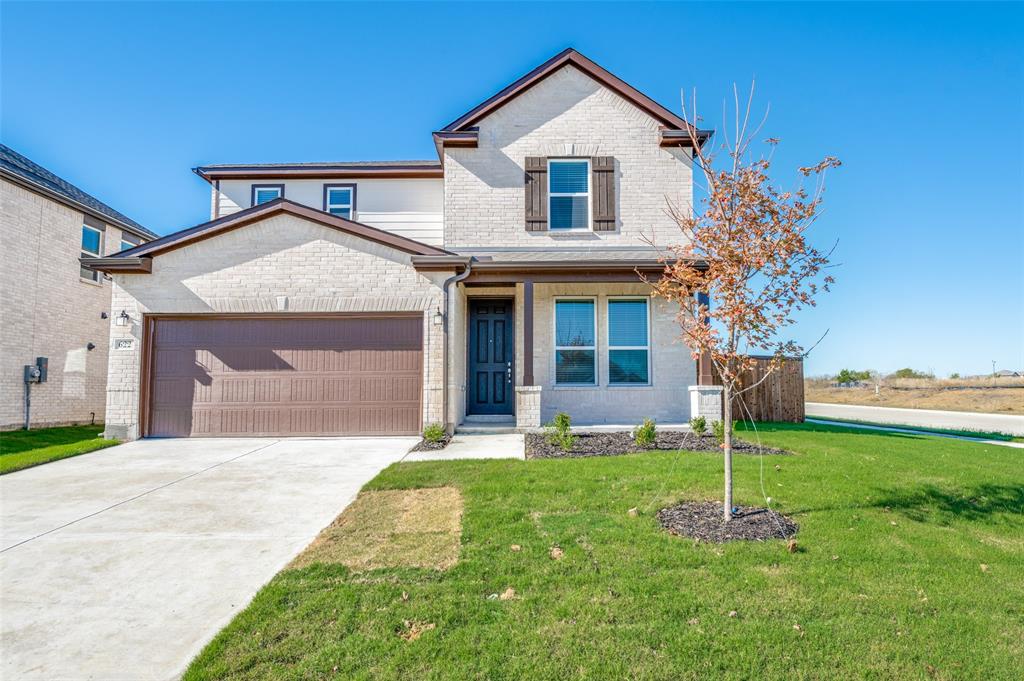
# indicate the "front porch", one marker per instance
pixel 615 386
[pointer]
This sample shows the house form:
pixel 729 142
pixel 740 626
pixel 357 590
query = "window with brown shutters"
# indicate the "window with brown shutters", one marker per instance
pixel 602 171
pixel 536 193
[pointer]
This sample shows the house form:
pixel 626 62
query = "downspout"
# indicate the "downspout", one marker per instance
pixel 454 279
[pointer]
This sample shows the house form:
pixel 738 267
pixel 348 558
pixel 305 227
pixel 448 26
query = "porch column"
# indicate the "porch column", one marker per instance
pixel 528 394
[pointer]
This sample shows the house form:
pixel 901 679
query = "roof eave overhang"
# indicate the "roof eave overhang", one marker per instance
pixel 569 270
pixel 451 138
pixel 683 138
pixel 441 263
pixel 67 201
pixel 137 265
pixel 367 172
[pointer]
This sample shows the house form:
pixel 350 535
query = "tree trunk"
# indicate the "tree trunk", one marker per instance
pixel 727 427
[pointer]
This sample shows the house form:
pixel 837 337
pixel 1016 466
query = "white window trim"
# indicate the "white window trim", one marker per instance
pixel 554 339
pixel 97 277
pixel 256 194
pixel 590 212
pixel 608 336
pixel 350 205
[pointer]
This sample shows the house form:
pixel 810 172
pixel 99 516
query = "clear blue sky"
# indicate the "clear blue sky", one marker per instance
pixel 924 104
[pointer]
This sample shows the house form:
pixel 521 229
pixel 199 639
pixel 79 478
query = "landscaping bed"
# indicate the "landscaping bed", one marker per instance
pixel 702 520
pixel 428 446
pixel 613 444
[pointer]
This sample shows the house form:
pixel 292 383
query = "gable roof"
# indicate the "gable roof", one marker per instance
pixel 138 259
pixel 570 57
pixel 28 173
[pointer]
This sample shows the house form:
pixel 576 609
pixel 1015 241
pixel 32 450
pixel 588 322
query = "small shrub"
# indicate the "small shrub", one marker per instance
pixel 699 425
pixel 907 372
pixel 435 432
pixel 645 434
pixel 559 431
pixel 718 428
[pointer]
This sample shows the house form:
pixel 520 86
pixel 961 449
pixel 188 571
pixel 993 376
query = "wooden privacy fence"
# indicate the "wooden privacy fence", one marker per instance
pixel 780 397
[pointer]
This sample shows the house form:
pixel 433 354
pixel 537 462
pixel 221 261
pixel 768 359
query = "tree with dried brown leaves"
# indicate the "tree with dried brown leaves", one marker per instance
pixel 746 250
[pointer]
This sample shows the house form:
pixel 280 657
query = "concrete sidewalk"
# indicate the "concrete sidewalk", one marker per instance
pixel 476 446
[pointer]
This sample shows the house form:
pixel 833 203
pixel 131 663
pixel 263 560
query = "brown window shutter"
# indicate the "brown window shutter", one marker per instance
pixel 602 176
pixel 536 194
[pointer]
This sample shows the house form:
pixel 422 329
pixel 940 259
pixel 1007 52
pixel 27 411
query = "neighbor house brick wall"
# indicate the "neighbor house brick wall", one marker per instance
pixel 49 311
pixel 282 264
pixel 567 114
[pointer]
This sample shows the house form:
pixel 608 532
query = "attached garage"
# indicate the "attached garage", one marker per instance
pixel 285 375
pixel 279 320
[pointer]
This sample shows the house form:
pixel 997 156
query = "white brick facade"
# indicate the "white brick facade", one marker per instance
pixel 282 264
pixel 49 311
pixel 567 114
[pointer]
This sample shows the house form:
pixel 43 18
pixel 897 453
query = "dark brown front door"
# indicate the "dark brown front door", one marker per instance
pixel 280 376
pixel 490 356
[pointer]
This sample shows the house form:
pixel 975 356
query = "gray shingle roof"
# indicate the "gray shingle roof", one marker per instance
pixel 16 164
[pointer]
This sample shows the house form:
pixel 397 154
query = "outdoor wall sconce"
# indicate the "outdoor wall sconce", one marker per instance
pixel 103 315
pixel 122 319
pixel 90 346
pixel 438 317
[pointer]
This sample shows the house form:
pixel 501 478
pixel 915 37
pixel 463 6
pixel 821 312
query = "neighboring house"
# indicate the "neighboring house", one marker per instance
pixel 52 306
pixel 501 283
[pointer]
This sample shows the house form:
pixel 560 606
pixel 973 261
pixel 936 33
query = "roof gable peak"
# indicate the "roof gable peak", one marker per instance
pixel 573 58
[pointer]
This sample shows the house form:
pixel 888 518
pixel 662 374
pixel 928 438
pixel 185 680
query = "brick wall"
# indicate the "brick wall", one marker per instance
pixel 567 114
pixel 672 369
pixel 281 264
pixel 49 311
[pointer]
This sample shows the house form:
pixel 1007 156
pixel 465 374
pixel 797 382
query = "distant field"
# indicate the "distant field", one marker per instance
pixel 1002 396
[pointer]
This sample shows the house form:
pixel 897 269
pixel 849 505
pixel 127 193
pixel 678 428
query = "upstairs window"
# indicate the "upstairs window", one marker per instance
pixel 575 338
pixel 92 247
pixel 629 351
pixel 129 241
pixel 262 193
pixel 340 200
pixel 569 194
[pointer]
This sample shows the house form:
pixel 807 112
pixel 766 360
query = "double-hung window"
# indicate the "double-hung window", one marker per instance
pixel 575 342
pixel 340 200
pixel 263 193
pixel 568 194
pixel 92 247
pixel 629 349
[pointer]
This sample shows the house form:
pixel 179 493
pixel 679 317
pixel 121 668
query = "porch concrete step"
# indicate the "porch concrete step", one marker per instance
pixel 489 418
pixel 470 429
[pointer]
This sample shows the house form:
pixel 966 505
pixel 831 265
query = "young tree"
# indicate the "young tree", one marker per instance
pixel 747 251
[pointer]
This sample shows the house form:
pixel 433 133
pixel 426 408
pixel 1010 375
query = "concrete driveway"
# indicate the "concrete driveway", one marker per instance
pixel 123 563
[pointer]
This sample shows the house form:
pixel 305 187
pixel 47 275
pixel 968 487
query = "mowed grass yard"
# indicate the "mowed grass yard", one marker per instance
pixel 26 448
pixel 910 566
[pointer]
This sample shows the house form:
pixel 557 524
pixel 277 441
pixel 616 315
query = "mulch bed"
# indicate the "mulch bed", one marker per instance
pixel 613 444
pixel 702 520
pixel 424 446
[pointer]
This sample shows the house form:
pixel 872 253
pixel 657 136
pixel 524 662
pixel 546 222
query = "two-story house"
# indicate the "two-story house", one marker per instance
pixel 500 283
pixel 54 307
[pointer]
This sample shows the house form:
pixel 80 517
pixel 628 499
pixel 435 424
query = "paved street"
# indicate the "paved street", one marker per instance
pixel 928 418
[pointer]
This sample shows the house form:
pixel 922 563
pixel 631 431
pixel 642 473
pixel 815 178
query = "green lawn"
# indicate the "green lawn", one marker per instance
pixel 911 566
pixel 24 448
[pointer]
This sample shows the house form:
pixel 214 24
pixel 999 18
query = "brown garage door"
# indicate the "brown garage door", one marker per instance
pixel 223 377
